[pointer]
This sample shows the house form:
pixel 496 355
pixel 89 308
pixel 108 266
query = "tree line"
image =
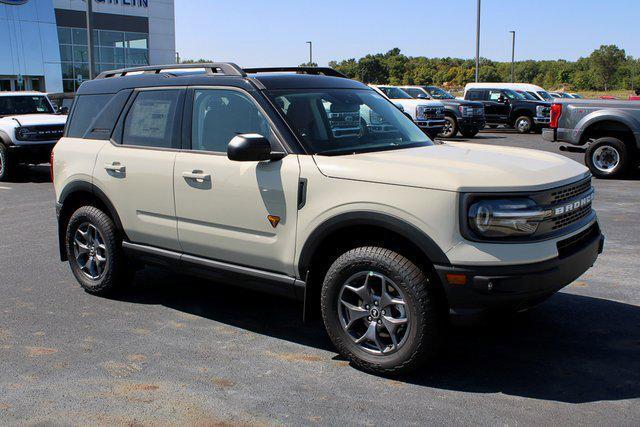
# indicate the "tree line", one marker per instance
pixel 607 68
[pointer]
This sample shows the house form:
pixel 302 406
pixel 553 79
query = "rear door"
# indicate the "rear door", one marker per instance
pixel 135 170
pixel 238 212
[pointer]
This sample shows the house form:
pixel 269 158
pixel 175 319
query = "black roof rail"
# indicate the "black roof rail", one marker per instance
pixel 224 68
pixel 324 71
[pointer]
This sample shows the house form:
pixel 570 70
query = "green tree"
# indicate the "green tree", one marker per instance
pixel 605 61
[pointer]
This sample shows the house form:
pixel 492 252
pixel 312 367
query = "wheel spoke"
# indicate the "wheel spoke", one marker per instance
pixel 355 313
pixel 371 335
pixel 363 291
pixel 386 300
pixel 392 325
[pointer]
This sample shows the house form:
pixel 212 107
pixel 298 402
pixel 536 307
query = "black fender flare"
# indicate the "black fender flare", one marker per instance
pixel 5 139
pixel 84 187
pixel 425 243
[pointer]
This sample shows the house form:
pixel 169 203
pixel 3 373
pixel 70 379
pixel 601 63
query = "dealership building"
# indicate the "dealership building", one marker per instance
pixel 43 43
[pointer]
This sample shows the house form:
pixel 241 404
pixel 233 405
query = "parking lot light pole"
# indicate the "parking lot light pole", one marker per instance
pixel 478 45
pixel 513 56
pixel 90 37
pixel 310 52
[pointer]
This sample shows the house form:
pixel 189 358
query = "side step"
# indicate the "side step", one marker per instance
pixel 573 149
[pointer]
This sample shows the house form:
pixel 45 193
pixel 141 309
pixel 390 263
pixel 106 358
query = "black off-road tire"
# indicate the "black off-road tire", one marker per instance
pixel 527 128
pixel 453 130
pixel 6 164
pixel 424 335
pixel 117 273
pixel 469 133
pixel 596 147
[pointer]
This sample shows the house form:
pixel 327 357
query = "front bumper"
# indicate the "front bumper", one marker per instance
pixel 543 121
pixel 32 153
pixel 521 286
pixel 431 124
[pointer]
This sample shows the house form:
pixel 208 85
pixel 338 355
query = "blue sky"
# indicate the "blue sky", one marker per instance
pixel 274 32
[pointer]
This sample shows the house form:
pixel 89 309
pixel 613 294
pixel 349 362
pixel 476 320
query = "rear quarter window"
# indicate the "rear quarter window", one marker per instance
pixel 86 109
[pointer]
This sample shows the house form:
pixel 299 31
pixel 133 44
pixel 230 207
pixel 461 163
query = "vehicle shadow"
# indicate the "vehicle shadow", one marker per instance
pixel 572 349
pixel 35 174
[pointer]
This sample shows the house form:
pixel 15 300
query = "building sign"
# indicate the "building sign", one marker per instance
pixel 14 2
pixel 139 3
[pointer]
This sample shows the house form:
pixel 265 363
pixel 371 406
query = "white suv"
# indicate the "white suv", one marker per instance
pixel 29 128
pixel 241 176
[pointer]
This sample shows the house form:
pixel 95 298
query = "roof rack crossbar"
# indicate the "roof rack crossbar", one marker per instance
pixel 325 71
pixel 224 68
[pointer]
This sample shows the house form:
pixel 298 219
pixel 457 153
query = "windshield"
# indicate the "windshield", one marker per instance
pixel 511 94
pixel 545 95
pixel 438 93
pixel 345 121
pixel 416 93
pixel 14 105
pixel 527 95
pixel 395 93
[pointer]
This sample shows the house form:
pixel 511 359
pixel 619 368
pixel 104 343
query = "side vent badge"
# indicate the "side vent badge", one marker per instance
pixel 274 220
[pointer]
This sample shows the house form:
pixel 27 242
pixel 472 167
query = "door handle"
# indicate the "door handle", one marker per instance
pixel 196 175
pixel 115 167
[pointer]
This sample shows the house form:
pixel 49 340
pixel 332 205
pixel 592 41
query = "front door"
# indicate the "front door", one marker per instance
pixel 496 107
pixel 136 172
pixel 238 212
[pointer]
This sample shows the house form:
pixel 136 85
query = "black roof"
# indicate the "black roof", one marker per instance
pixel 218 74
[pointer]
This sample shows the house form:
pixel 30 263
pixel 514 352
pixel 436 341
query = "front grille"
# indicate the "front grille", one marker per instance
pixel 567 193
pixel 546 111
pixel 40 133
pixel 571 217
pixel 433 113
pixel 478 112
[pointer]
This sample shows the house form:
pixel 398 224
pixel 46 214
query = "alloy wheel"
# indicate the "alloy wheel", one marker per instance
pixel 90 251
pixel 373 312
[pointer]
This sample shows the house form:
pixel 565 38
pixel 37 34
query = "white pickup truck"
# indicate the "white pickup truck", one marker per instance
pixel 29 128
pixel 427 114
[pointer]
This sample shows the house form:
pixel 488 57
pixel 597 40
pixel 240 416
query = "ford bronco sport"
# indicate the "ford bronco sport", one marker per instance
pixel 29 128
pixel 239 175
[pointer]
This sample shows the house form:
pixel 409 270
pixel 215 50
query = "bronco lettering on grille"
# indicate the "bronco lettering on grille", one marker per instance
pixel 573 205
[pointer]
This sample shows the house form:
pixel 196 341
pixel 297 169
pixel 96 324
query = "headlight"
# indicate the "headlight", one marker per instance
pixel 23 133
pixel 498 218
pixel 542 110
pixel 421 112
pixel 466 111
pixel 375 118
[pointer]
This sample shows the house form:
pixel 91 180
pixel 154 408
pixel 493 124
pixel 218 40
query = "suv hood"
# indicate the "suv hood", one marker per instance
pixel 415 102
pixel 464 102
pixel 36 119
pixel 457 167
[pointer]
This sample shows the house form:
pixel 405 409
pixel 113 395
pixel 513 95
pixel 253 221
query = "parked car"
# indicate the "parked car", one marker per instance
pixel 62 101
pixel 608 132
pixel 564 95
pixel 236 175
pixel 507 107
pixel 427 114
pixel 29 128
pixel 534 90
pixel 576 95
pixel 467 117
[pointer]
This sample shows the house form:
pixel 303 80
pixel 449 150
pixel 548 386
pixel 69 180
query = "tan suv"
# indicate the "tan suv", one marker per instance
pixel 247 177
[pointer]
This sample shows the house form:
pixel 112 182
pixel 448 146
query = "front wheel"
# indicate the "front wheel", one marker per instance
pixel 6 165
pixel 450 129
pixel 94 252
pixel 523 124
pixel 381 311
pixel 607 157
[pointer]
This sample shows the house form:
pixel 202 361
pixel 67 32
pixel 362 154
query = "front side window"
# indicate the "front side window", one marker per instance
pixel 475 95
pixel 395 93
pixel 416 93
pixel 151 121
pixel 346 121
pixel 221 114
pixel 545 95
pixel 13 105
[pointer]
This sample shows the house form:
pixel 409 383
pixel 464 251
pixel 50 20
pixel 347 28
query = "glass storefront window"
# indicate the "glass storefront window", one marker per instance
pixel 112 50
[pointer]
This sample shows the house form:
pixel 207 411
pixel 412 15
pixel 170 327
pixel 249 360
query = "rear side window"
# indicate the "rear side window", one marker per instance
pixel 152 120
pixel 475 95
pixel 85 111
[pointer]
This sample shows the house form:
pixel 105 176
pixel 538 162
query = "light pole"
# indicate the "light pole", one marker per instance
pixel 478 45
pixel 310 53
pixel 513 56
pixel 90 37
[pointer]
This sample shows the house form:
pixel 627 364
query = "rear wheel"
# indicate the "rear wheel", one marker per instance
pixel 450 129
pixel 380 311
pixel 95 253
pixel 6 166
pixel 523 124
pixel 607 157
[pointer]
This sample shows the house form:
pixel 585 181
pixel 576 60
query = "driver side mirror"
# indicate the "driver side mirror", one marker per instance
pixel 63 110
pixel 422 96
pixel 251 147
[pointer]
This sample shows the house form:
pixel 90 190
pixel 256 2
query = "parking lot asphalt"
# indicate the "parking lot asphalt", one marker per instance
pixel 174 349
